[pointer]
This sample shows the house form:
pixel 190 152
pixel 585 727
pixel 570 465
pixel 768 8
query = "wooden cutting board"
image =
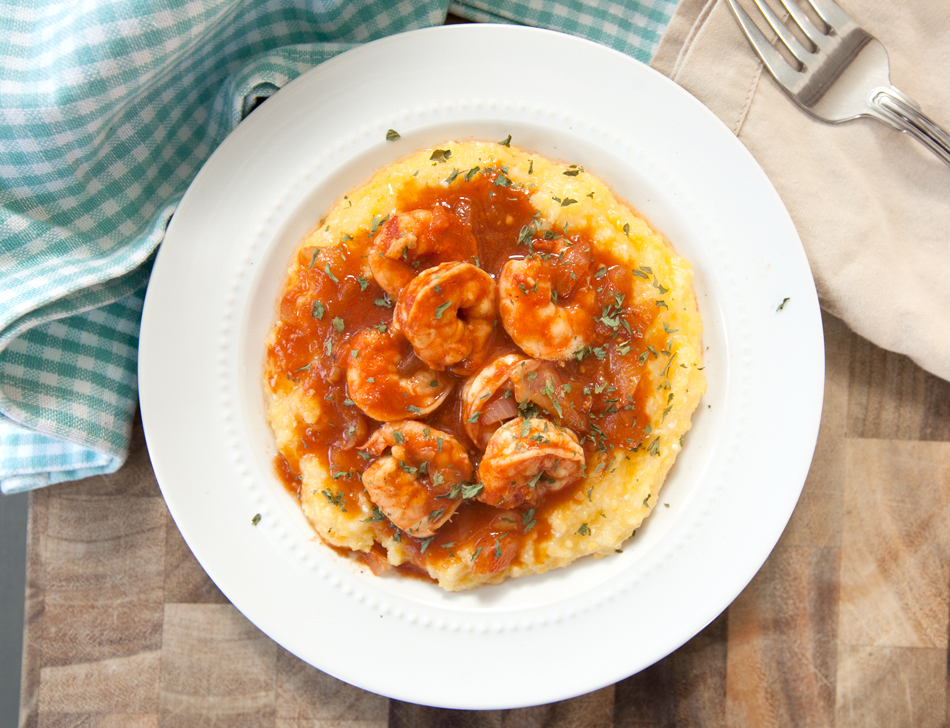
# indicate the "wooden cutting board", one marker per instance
pixel 845 625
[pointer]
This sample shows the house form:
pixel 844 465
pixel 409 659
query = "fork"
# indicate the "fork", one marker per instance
pixel 846 73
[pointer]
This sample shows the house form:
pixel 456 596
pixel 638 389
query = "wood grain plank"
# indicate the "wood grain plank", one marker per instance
pixel 892 398
pixel 307 697
pixel 409 715
pixel 893 621
pixel 897 687
pixel 116 685
pixel 99 720
pixel 593 710
pixel 781 650
pixel 895 563
pixel 104 549
pixel 687 688
pixel 76 633
pixel 217 668
pixel 101 630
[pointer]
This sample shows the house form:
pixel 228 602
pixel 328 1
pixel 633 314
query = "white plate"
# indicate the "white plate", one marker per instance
pixel 212 298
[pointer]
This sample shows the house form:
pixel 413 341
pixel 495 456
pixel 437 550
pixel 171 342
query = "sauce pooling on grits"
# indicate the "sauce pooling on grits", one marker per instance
pixel 463 367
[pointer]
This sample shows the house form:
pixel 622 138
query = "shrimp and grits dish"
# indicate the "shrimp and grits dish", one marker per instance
pixel 483 366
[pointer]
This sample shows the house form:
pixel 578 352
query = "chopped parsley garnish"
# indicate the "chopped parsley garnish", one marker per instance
pixel 528 520
pixel 471 490
pixel 377 223
pixel 378 515
pixel 336 499
pixel 392 135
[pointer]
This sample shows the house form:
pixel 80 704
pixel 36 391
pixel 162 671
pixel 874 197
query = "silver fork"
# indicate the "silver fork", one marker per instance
pixel 844 76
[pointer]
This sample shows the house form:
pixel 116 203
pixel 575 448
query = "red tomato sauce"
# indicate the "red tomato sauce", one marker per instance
pixel 332 297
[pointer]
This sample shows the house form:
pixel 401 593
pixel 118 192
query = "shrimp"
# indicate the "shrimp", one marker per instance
pixel 527 458
pixel 546 303
pixel 508 385
pixel 387 381
pixel 448 313
pixel 410 241
pixel 417 485
pixel 488 398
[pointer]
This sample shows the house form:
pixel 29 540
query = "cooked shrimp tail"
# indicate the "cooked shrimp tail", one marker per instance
pixel 409 242
pixel 387 381
pixel 513 385
pixel 416 484
pixel 545 306
pixel 448 313
pixel 527 458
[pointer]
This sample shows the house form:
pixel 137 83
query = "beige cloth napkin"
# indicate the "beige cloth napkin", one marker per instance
pixel 872 205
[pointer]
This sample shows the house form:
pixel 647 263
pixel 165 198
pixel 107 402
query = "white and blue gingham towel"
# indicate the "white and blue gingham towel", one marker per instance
pixel 108 108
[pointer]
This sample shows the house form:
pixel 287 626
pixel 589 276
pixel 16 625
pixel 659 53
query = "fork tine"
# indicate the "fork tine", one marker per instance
pixel 815 35
pixel 778 66
pixel 782 31
pixel 832 14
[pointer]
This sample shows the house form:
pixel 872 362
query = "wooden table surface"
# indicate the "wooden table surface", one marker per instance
pixel 845 625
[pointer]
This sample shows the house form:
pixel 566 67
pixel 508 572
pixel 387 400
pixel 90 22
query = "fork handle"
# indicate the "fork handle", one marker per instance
pixel 899 111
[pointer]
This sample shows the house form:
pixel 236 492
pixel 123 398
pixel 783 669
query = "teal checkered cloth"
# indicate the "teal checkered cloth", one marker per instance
pixel 107 111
